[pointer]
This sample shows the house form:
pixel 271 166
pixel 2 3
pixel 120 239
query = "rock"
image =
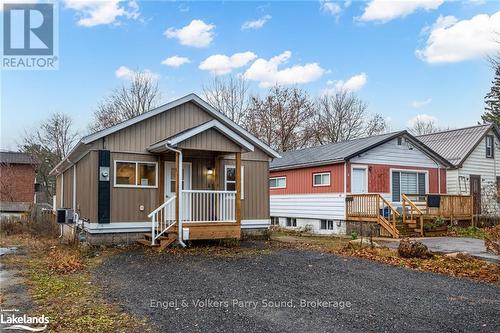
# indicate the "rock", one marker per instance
pixel 362 243
pixel 458 255
pixel 413 249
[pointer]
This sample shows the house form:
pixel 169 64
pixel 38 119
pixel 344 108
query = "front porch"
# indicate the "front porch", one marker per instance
pixel 200 186
pixel 409 217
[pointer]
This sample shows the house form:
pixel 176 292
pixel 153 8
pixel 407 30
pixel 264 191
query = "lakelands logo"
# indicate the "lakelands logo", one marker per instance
pixel 24 322
pixel 30 38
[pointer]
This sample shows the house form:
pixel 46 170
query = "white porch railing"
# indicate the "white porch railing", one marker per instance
pixel 208 206
pixel 162 218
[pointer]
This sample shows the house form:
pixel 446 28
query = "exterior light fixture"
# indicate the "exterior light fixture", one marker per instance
pixel 210 171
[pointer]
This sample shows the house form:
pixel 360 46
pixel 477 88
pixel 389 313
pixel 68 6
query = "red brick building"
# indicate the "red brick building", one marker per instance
pixel 17 183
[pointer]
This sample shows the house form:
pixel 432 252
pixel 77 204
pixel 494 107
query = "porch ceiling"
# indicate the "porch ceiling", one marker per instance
pixel 211 135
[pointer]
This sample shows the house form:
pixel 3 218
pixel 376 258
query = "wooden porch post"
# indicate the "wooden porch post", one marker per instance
pixel 238 187
pixel 177 194
pixel 217 173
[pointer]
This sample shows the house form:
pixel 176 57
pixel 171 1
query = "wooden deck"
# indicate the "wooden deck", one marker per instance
pixel 415 211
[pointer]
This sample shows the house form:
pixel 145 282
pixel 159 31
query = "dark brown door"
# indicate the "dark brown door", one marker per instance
pixel 475 191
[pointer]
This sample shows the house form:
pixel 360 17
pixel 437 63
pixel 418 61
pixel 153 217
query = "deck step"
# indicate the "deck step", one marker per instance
pixel 146 242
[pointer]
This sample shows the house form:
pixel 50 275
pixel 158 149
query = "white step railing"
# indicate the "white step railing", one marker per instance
pixel 208 206
pixel 162 218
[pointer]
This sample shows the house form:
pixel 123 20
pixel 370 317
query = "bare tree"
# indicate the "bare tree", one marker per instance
pixel 282 119
pixel 422 126
pixel 130 100
pixel 7 187
pixel 229 95
pixel 49 144
pixel 343 116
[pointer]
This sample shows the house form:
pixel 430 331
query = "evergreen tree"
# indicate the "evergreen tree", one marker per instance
pixel 492 100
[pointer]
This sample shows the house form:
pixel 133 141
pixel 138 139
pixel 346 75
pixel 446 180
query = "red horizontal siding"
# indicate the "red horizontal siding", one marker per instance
pixel 300 181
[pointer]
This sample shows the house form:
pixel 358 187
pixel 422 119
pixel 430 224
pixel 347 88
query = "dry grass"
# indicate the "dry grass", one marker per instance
pixel 462 267
pixel 59 278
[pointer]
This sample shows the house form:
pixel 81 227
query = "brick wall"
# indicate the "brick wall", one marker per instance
pixel 17 182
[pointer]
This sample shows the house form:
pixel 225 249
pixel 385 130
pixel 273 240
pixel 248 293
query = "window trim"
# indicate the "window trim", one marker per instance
pixel 321 174
pixel 136 174
pixel 327 222
pixel 492 138
pixel 279 177
pixel 294 219
pixel 427 180
pixel 227 166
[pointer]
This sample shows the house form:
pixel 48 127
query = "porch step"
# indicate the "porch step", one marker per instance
pixel 162 241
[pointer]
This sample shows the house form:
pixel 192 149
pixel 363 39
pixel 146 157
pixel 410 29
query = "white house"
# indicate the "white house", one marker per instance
pixel 474 153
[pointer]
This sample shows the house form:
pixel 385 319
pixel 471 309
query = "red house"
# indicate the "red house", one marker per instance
pixel 372 179
pixel 17 183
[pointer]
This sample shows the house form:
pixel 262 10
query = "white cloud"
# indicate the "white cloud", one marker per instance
pixel 330 7
pixel 123 72
pixel 421 104
pixel 266 72
pixel 384 11
pixel 175 61
pixel 257 24
pixel 196 34
pixel 220 64
pixel 93 13
pixel 451 40
pixel 422 118
pixel 354 83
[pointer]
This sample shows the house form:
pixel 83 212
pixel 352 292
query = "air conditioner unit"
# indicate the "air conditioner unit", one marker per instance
pixel 65 216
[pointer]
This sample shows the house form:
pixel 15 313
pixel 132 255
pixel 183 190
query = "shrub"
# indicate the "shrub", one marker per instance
pixel 354 235
pixel 64 261
pixel 492 240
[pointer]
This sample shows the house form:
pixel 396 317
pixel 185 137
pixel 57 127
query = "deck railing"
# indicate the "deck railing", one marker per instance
pixel 373 207
pixel 208 206
pixel 162 219
pixel 451 206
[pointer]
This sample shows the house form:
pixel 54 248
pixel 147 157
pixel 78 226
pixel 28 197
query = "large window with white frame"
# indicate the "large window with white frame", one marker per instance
pixel 230 179
pixel 321 179
pixel 277 182
pixel 408 182
pixel 136 174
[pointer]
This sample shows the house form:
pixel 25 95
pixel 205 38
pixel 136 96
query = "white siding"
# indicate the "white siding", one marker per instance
pixel 392 154
pixel 314 226
pixel 315 206
pixel 478 164
pixel 452 181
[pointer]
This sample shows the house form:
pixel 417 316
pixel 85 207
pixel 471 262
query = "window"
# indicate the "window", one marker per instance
pixel 321 179
pixel 326 225
pixel 489 146
pixel 230 179
pixel 135 174
pixel 408 182
pixel 275 220
pixel 400 141
pixel 291 222
pixel 277 182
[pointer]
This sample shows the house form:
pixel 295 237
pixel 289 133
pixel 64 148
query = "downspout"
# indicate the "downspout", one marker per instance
pixel 179 188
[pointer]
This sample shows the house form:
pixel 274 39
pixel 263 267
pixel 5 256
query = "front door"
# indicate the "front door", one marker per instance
pixel 359 181
pixel 475 191
pixel 170 178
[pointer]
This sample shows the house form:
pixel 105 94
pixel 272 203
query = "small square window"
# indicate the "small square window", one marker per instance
pixel 326 224
pixel 277 182
pixel 291 222
pixel 125 173
pixel 489 146
pixel 321 179
pixel 275 220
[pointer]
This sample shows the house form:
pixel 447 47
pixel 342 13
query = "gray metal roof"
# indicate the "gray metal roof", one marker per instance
pixel 455 145
pixel 330 153
pixel 13 157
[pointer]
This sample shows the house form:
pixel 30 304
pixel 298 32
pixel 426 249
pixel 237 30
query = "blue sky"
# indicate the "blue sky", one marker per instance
pixel 367 47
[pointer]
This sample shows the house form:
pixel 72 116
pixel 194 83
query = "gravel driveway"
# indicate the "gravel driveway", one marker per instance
pixel 355 295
